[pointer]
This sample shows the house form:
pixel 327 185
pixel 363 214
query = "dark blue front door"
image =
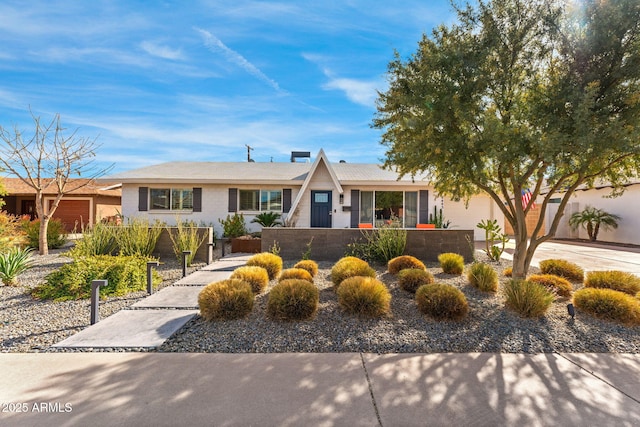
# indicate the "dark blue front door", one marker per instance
pixel 321 209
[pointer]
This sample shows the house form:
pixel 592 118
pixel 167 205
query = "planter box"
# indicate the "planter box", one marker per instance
pixel 252 246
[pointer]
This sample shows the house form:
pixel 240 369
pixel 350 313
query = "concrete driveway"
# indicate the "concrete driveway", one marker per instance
pixel 589 256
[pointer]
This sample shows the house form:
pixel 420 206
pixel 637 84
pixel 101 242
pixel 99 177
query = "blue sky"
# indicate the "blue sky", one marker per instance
pixel 157 81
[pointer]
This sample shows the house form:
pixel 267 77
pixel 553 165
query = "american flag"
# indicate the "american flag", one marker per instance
pixel 527 198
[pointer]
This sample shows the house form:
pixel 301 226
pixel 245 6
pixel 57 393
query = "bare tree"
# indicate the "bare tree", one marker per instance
pixel 49 158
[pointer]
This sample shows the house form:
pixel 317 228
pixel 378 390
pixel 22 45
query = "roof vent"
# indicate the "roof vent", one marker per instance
pixel 343 161
pixel 300 155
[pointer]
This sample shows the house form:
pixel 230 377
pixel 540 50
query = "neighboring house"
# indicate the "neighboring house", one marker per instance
pixel 78 209
pixel 318 194
pixel 627 206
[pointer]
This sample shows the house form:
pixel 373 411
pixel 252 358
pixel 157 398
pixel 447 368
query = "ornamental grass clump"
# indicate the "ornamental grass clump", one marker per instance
pixel 616 280
pixel 293 299
pixel 186 236
pixel 309 265
pixel 562 268
pixel 529 299
pixel 295 273
pixel 507 272
pixel 270 262
pixel 350 267
pixel 138 237
pixel 99 240
pixel 364 297
pixel 556 284
pixel 442 302
pixel 410 279
pixel 402 262
pixel 226 299
pixel 483 277
pixel 608 304
pixel 451 263
pixel 255 276
pixel 12 263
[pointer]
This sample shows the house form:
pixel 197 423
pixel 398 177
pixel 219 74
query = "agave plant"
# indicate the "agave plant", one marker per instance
pixel 14 262
pixel 592 219
pixel 267 219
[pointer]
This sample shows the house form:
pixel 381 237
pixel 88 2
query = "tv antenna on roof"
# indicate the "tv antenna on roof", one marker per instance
pixel 248 153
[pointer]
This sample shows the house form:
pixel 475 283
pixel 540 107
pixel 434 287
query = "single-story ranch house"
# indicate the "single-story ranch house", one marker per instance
pixel 311 194
pixel 79 208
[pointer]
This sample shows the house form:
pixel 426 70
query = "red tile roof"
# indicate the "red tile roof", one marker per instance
pixel 15 186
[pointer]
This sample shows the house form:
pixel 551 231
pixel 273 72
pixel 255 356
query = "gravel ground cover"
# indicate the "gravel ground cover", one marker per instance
pixel 29 325
pixel 488 328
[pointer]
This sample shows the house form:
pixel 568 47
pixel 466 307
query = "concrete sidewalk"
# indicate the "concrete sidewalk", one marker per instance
pixel 330 389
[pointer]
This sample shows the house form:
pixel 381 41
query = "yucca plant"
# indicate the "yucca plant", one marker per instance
pixel 14 262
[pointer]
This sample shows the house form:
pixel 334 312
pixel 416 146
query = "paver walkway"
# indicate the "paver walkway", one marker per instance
pixel 151 321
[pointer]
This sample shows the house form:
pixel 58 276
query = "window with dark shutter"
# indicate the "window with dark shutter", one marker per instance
pixel 233 200
pixel 197 199
pixel 143 199
pixel 355 208
pixel 423 215
pixel 286 200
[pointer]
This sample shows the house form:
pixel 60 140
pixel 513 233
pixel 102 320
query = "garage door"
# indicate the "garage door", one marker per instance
pixel 74 214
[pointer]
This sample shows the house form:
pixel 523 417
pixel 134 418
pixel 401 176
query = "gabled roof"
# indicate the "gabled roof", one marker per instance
pixel 15 186
pixel 320 159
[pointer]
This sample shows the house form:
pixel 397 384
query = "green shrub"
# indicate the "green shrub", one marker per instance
pixel 185 238
pixel 295 273
pixel 364 296
pixel 529 299
pixel 410 279
pixel 138 237
pixel 255 276
pixel 56 234
pixel 608 304
pixel 234 226
pixel 100 240
pixel 226 299
pixel 616 280
pixel 442 301
pixel 270 262
pixel 556 284
pixel 451 263
pixel 309 265
pixel 381 244
pixel 483 277
pixel 293 299
pixel 350 267
pixel 72 281
pixel 11 232
pixel 397 264
pixel 562 268
pixel 12 263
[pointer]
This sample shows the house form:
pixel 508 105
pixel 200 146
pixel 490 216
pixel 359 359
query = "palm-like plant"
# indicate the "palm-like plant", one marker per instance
pixel 267 219
pixel 592 219
pixel 14 262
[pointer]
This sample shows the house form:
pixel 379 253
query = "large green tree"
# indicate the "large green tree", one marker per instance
pixel 516 95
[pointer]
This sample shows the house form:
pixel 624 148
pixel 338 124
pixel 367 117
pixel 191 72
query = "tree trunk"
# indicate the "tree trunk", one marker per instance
pixel 596 229
pixel 520 264
pixel 42 241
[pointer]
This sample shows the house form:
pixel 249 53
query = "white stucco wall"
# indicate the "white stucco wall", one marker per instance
pixel 626 206
pixel 466 217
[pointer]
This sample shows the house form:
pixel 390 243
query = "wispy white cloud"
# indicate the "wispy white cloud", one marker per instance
pixel 359 91
pixel 215 45
pixel 161 51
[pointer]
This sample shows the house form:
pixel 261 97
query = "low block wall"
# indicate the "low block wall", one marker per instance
pixel 164 246
pixel 329 244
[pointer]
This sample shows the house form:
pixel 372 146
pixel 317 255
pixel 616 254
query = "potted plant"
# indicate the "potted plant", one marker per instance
pixel 235 228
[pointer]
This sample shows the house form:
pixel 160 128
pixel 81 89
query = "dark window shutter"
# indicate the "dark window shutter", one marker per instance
pixel 197 199
pixel 286 200
pixel 143 199
pixel 423 215
pixel 355 208
pixel 233 200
